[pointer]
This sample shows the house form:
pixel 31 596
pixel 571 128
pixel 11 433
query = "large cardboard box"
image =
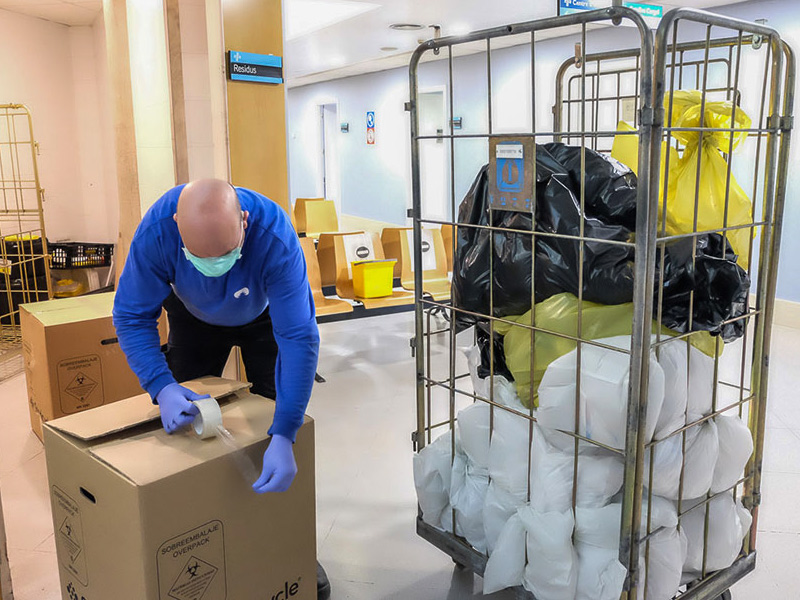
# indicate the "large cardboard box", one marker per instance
pixel 143 515
pixel 73 361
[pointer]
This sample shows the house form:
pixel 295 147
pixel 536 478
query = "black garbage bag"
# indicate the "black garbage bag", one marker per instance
pixel 720 286
pixel 484 368
pixel 607 274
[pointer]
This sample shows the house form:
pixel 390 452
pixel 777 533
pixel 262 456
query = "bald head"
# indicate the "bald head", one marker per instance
pixel 209 217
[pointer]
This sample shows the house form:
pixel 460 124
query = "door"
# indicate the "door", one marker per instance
pixel 329 164
pixel 433 156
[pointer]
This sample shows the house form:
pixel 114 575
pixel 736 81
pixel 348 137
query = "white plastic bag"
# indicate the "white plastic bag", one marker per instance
pixel 479 386
pixel 672 359
pixel 597 540
pixel 702 451
pixel 498 508
pixel 662 572
pixel 508 452
pixel 472 425
pixel 689 385
pixel 600 527
pixel 506 565
pixel 467 497
pixel 600 476
pixel 551 573
pixel 735 449
pixel 603 397
pixel 432 476
pixel 600 574
pixel 728 522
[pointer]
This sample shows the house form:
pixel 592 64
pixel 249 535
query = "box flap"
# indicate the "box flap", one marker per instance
pixel 125 414
pixel 147 456
pixel 72 310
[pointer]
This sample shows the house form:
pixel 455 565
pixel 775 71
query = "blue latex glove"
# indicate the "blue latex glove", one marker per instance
pixel 279 466
pixel 177 410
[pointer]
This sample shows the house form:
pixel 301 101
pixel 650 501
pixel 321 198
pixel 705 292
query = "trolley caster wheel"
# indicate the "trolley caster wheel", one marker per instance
pixel 462 567
pixel 726 595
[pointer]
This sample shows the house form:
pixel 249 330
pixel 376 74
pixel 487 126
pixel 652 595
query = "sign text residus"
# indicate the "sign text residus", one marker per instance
pixel 244 69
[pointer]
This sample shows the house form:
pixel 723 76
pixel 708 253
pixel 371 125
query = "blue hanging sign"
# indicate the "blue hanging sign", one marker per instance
pixel 260 68
pixel 568 7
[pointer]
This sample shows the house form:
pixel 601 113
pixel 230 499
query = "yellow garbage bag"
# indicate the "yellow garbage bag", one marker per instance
pixel 559 313
pixel 710 182
pixel 626 150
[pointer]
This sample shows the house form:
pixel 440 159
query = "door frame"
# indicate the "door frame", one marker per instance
pixel 324 146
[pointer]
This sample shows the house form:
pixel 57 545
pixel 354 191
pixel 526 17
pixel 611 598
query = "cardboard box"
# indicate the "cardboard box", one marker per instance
pixel 143 515
pixel 73 361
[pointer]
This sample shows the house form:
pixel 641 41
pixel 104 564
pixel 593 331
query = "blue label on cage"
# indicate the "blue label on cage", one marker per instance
pixel 510 202
pixel 510 174
pixel 511 179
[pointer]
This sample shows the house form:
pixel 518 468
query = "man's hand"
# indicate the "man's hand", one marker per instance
pixel 279 466
pixel 177 409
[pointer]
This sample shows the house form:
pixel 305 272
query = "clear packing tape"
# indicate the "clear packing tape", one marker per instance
pixel 709 183
pixel 208 424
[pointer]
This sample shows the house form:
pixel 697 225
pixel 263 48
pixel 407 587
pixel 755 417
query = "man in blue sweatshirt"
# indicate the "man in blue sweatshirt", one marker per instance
pixel 227 266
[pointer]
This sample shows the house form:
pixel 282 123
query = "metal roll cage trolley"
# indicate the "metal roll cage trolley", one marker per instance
pixel 663 62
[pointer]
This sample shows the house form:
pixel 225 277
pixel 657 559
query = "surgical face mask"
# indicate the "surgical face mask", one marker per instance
pixel 215 266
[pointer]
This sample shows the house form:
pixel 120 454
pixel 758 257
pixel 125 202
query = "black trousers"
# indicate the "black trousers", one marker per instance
pixel 198 349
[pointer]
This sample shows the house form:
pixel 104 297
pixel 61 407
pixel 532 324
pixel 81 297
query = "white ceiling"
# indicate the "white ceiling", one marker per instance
pixel 66 12
pixel 328 39
pixel 353 46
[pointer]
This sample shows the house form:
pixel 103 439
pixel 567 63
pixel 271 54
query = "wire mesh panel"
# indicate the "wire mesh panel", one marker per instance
pixel 585 415
pixel 728 148
pixel 24 268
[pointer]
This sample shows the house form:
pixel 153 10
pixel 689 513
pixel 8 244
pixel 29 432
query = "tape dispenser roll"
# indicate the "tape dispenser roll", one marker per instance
pixel 209 420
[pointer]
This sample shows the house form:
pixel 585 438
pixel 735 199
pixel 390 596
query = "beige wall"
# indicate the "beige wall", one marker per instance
pixel 257 112
pixel 96 217
pixel 152 108
pixel 197 88
pixel 36 70
pixel 59 73
pixel 106 120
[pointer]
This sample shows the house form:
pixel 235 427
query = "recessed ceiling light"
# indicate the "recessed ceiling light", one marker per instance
pixel 406 26
pixel 389 48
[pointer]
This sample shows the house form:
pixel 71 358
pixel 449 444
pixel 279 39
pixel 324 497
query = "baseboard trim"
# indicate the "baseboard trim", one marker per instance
pixel 787 313
pixel 353 223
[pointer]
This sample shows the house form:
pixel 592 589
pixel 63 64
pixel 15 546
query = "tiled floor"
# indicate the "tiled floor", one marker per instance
pixel 366 501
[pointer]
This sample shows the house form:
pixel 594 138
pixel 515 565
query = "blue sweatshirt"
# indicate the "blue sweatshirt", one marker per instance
pixel 272 270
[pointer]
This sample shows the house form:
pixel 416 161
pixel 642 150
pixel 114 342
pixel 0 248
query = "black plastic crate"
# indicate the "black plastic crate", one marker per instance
pixel 80 255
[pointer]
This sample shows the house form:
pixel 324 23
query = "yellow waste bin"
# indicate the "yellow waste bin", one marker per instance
pixel 373 278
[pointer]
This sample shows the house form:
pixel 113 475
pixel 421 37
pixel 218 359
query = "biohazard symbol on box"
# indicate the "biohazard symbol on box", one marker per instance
pixel 81 386
pixel 69 537
pixel 193 581
pixel 80 383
